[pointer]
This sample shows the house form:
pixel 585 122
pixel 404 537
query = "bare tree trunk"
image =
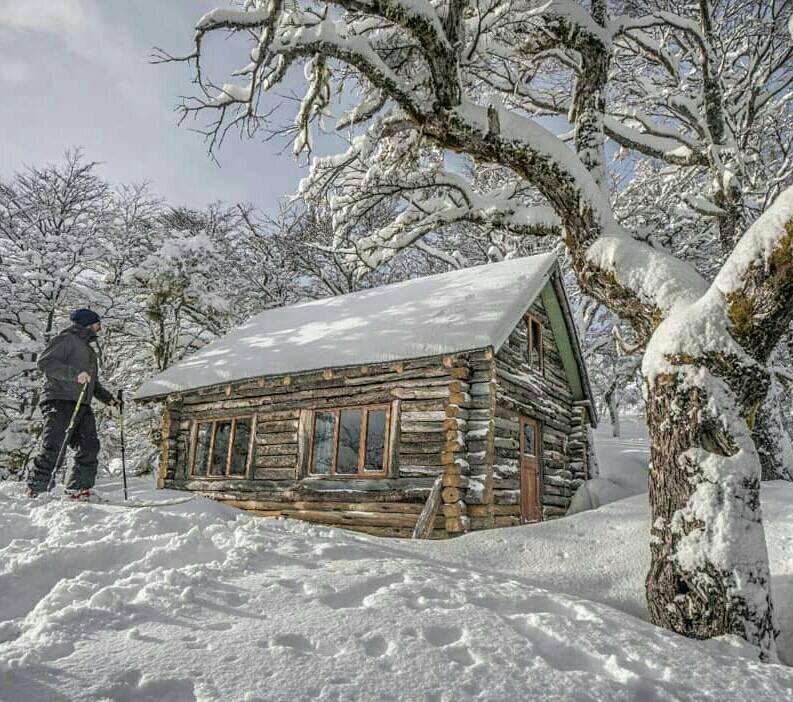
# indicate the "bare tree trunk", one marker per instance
pixel 612 402
pixel 709 573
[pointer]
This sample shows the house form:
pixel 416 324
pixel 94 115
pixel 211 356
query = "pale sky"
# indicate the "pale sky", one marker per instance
pixel 76 73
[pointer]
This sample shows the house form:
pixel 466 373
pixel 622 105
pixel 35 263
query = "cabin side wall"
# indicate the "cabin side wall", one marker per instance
pixel 547 398
pixel 430 401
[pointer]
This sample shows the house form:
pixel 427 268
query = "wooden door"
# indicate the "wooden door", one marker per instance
pixel 530 449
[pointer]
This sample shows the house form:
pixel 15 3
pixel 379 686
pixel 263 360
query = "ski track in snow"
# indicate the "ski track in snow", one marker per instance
pixel 201 602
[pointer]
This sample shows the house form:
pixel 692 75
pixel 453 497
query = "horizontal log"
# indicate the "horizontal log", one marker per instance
pixel 439 392
pixel 276 461
pixel 435 416
pixel 427 405
pixel 275 473
pixel 338 377
pixel 551 512
pixel 556 500
pixel 353 518
pixel 506 497
pixel 270 415
pixel 417 471
pixel 374 373
pixel 408 447
pixel 426 459
pixel 277 450
pixel 501 442
pixel 395 533
pixel 277 438
pixel 412 490
pixel 480 389
pixel 413 508
pixel 421 427
pixel 499 510
pixel 285 425
pixel 505 521
pixel 506 483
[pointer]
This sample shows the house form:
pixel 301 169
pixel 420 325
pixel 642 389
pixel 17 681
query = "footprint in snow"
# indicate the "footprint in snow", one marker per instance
pixel 375 646
pixel 460 654
pixel 357 595
pixel 296 642
pixel 133 687
pixel 448 638
pixel 440 636
pixel 218 626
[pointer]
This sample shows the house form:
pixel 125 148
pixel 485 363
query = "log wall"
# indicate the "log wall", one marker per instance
pixel 429 400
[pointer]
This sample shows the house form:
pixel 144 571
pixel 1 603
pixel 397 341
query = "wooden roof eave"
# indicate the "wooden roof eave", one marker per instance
pixel 572 332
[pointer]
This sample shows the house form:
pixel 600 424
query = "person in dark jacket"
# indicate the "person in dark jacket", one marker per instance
pixel 70 362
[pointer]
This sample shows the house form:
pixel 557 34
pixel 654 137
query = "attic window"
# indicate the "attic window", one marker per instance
pixel 350 441
pixel 222 448
pixel 534 355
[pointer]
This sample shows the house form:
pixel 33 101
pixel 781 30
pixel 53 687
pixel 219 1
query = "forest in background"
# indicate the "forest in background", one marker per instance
pixel 167 279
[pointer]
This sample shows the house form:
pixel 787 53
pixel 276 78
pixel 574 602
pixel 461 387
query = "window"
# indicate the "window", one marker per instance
pixel 350 441
pixel 534 352
pixel 222 448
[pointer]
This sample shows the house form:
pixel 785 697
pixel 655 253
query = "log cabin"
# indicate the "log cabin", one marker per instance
pixel 426 408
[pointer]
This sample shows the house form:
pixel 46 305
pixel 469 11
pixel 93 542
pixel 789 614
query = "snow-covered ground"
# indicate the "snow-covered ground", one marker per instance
pixel 201 602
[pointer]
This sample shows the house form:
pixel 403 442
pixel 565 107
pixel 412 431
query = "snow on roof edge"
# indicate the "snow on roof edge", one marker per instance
pixel 306 371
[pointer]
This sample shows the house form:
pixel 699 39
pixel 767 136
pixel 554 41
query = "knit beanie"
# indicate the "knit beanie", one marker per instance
pixel 84 317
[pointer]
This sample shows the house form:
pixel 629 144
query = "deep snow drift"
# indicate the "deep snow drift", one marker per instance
pixel 201 602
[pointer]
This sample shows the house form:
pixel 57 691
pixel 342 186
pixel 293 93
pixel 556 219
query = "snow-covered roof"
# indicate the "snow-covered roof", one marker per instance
pixel 447 313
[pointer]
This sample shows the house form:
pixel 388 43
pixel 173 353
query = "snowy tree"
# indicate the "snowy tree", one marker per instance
pixel 51 220
pixel 475 77
pixel 714 80
pixel 318 260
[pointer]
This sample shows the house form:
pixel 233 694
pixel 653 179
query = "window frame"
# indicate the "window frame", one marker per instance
pixel 531 320
pixel 362 473
pixel 214 421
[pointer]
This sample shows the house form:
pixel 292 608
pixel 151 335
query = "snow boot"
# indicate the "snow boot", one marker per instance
pixel 85 495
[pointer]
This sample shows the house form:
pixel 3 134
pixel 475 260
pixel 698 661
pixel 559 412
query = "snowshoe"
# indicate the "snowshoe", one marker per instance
pixel 86 495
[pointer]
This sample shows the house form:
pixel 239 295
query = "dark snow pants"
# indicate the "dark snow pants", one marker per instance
pixel 82 474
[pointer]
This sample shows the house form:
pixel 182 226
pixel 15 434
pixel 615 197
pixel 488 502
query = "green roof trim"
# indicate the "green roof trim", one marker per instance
pixel 553 309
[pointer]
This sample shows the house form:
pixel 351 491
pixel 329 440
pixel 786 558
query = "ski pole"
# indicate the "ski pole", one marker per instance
pixel 123 445
pixel 69 432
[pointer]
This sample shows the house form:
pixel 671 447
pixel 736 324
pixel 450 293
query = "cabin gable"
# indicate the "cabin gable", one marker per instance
pixel 548 398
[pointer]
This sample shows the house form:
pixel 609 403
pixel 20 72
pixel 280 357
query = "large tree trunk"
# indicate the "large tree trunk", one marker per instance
pixel 709 573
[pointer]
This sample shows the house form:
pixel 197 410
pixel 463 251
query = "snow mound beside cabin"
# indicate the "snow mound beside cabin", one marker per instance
pixel 201 602
pixel 622 461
